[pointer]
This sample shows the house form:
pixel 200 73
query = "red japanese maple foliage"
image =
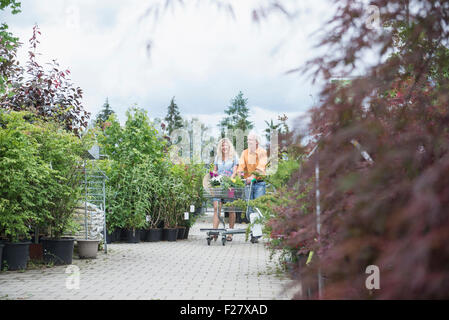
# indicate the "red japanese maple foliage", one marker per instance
pixel 48 93
pixel 393 211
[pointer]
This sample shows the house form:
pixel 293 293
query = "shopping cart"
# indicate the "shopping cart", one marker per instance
pixel 252 214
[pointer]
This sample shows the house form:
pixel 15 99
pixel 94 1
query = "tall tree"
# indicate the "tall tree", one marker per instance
pixel 271 127
pixel 104 114
pixel 173 118
pixel 383 152
pixel 238 114
pixel 8 48
pixel 48 93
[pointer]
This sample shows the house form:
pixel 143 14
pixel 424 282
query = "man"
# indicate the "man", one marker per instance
pixel 252 166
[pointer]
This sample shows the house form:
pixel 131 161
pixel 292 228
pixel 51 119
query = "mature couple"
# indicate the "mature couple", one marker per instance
pixel 251 165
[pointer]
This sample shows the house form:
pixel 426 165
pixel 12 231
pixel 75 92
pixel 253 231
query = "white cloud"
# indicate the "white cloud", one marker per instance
pixel 199 54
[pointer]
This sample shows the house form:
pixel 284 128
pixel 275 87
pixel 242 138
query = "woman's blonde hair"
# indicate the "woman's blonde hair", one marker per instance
pixel 231 152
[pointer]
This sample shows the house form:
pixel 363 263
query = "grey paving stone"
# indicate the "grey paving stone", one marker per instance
pixel 184 270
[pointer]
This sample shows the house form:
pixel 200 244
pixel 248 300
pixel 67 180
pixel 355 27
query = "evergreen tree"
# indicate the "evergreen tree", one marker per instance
pixel 238 114
pixel 271 127
pixel 104 114
pixel 173 118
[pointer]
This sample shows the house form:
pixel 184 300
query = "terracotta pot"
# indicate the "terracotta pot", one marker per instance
pixel 36 251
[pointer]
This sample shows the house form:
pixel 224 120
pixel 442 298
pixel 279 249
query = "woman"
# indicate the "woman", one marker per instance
pixel 225 164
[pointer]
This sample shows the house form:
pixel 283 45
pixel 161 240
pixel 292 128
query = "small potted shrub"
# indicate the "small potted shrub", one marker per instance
pixel 170 231
pixel 114 218
pixel 154 234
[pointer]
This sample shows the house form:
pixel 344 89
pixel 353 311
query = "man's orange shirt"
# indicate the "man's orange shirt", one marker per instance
pixel 250 162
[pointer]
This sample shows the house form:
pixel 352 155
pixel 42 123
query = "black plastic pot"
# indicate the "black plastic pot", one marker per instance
pixel 186 233
pixel 154 235
pixel 122 234
pixel 58 251
pixel 132 236
pixel 181 231
pixel 109 237
pixel 16 255
pixel 143 234
pixel 170 235
pixel 113 236
pixel 1 256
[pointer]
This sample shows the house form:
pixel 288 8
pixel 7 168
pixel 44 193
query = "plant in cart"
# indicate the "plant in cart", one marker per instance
pixel 215 180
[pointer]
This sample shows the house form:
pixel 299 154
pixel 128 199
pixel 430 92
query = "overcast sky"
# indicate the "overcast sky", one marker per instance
pixel 200 54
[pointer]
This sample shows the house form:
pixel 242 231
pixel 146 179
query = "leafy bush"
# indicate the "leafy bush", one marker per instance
pixel 38 186
pixel 63 151
pixel 390 211
pixel 144 187
pixel 135 156
pixel 23 197
pixel 49 94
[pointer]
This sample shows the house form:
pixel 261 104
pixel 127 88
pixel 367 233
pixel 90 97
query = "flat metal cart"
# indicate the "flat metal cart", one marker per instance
pixel 251 214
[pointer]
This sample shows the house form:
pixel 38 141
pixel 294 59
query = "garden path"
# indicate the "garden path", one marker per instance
pixel 182 270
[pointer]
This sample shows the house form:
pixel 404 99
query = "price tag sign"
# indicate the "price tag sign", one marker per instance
pixel 186 216
pixel 192 208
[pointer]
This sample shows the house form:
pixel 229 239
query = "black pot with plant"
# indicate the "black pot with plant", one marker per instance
pixel 181 231
pixel 1 255
pixel 170 234
pixel 29 186
pixel 154 235
pixel 143 234
pixel 132 235
pixel 58 248
pixel 16 255
pixel 58 251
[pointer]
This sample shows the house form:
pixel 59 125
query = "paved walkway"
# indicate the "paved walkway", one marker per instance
pixel 182 270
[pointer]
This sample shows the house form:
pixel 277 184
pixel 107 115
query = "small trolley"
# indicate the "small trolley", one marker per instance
pixel 251 214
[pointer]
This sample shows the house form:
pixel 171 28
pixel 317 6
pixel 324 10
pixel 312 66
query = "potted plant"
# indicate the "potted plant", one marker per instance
pixel 133 150
pixel 63 151
pixel 191 193
pixel 24 190
pixel 1 255
pixel 114 215
pixel 58 249
pixel 173 199
pixel 154 233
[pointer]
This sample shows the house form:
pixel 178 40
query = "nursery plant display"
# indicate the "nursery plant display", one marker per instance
pixel 41 189
pixel 145 188
pixel 63 151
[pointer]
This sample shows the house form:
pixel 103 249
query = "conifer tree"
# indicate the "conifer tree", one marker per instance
pixel 104 114
pixel 173 118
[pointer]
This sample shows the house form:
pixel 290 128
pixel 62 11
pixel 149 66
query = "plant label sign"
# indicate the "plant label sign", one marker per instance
pixel 148 218
pixel 186 216
pixel 192 208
